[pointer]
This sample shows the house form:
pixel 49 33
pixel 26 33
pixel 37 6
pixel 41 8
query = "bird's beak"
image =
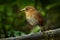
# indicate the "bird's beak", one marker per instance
pixel 23 9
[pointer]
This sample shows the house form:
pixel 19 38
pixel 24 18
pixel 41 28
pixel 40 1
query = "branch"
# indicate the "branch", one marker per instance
pixel 55 34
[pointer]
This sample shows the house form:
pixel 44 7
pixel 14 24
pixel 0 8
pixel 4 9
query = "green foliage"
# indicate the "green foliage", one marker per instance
pixel 1 8
pixel 35 29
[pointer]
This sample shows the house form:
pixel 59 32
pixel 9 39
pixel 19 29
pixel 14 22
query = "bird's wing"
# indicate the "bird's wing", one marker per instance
pixel 39 18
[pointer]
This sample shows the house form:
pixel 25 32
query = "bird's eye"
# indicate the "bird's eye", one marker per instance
pixel 27 8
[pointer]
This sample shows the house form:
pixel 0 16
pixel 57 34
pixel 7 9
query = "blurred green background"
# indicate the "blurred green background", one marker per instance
pixel 13 22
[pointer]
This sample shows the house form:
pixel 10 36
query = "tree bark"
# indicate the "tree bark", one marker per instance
pixel 49 35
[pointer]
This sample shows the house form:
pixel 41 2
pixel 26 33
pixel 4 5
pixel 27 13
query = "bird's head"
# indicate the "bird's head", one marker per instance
pixel 28 9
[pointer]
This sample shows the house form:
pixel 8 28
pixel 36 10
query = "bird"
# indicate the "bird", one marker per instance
pixel 33 16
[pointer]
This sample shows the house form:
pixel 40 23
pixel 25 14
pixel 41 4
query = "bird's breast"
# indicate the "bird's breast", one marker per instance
pixel 30 18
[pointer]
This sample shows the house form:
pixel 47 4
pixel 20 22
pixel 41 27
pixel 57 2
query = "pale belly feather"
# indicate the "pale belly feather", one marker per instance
pixel 32 20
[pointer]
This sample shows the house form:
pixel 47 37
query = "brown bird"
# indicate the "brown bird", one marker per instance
pixel 33 17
